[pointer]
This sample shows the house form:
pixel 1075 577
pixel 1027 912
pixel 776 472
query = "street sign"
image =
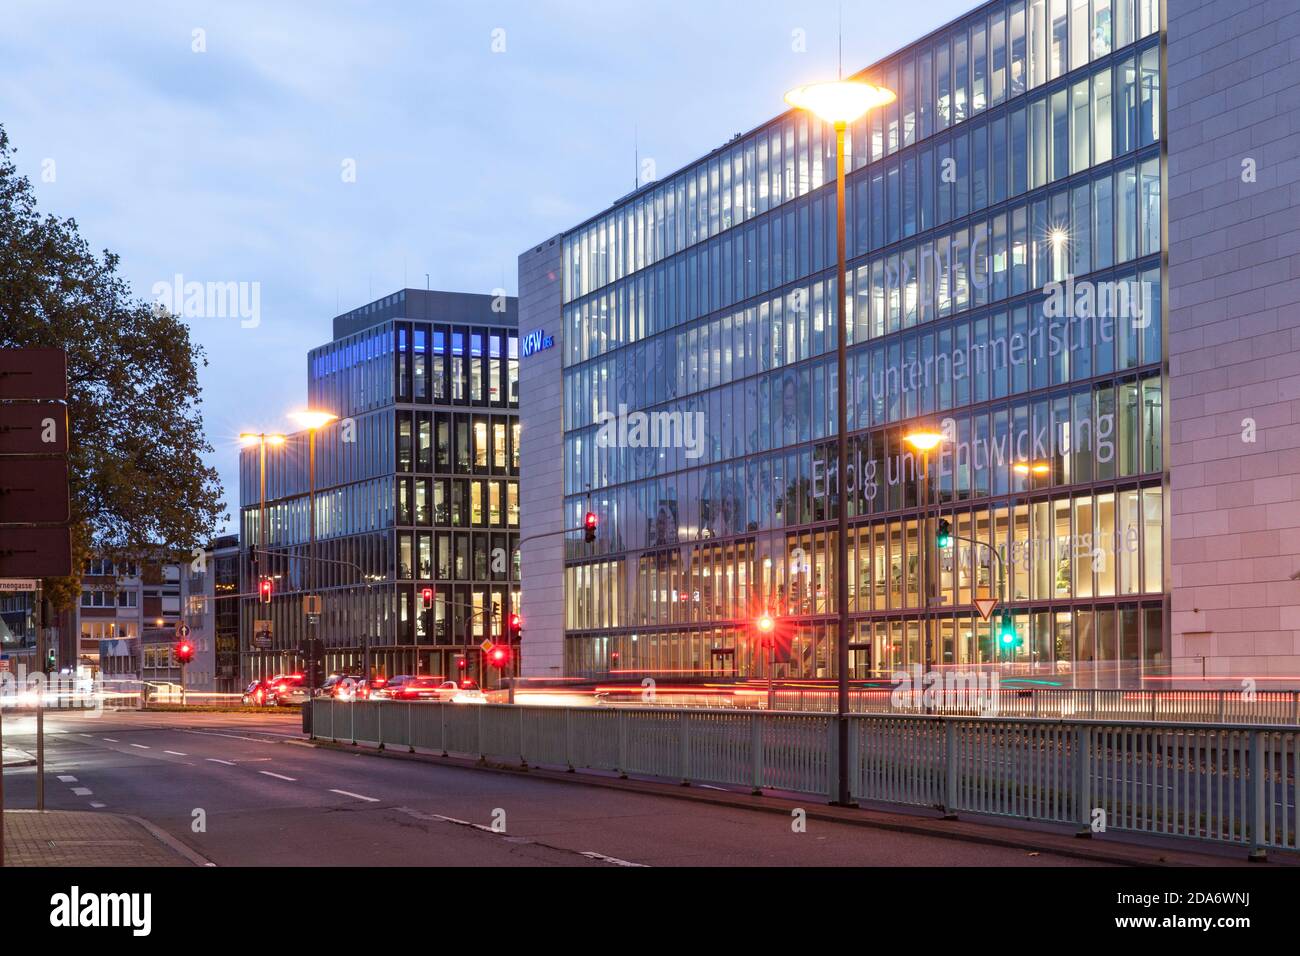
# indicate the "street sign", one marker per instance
pixel 34 490
pixel 33 373
pixel 182 630
pixel 486 647
pixel 311 604
pixel 985 606
pixel 32 428
pixel 17 584
pixel 44 552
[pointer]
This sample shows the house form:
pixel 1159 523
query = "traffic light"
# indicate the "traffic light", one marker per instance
pixel 184 651
pixel 426 598
pixel 515 627
pixel 943 537
pixel 461 664
pixel 264 590
pixel 52 660
pixel 765 625
pixel 499 656
pixel 589 527
pixel 1007 631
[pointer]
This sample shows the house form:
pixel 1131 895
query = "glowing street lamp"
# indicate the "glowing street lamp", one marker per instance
pixel 312 421
pixel 1031 468
pixel 839 104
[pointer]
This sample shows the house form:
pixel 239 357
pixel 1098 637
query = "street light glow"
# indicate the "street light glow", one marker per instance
pixel 924 439
pixel 312 420
pixel 252 438
pixel 842 101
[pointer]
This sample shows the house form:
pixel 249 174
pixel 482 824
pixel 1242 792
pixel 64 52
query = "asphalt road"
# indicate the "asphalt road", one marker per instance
pixel 267 802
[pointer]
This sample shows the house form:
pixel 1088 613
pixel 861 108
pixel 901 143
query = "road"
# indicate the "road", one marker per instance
pixel 264 800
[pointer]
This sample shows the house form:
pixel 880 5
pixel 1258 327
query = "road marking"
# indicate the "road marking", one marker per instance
pixel 175 753
pixel 141 746
pixel 82 791
pixel 593 855
pixel 348 793
pixel 215 760
pixel 85 735
pixel 112 740
pixel 278 776
pixel 98 806
pixel 67 779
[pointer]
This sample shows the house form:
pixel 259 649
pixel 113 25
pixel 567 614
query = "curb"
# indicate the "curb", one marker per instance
pixel 966 830
pixel 162 836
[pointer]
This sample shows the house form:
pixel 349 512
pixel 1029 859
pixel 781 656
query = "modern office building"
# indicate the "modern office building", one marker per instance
pixel 1055 258
pixel 416 487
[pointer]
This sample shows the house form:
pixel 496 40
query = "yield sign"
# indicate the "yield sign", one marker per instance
pixel 985 606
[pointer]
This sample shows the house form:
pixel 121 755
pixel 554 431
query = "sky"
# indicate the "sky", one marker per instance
pixel 324 154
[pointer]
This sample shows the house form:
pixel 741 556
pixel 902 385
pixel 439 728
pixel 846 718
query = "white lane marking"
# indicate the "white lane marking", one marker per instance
pixel 85 735
pixel 98 806
pixel 175 753
pixel 141 746
pixel 593 855
pixel 215 760
pixel 65 778
pixel 82 791
pixel 349 793
pixel 112 740
pixel 278 776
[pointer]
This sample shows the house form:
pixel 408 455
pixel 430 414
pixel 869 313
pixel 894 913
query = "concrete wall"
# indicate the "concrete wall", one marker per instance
pixel 541 464
pixel 1233 101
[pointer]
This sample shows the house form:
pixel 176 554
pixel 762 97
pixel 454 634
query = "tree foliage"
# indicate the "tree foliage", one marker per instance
pixel 135 428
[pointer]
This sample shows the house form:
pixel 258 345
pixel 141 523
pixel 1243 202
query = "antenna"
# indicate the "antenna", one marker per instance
pixel 840 68
pixel 636 158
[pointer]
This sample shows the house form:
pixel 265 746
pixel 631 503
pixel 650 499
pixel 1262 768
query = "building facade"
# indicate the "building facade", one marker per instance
pixel 1007 285
pixel 416 487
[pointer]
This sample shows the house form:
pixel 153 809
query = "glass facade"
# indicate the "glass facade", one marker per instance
pixel 416 486
pixel 1004 283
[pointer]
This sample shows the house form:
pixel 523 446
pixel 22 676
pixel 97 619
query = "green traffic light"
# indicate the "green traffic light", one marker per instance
pixel 944 536
pixel 1007 631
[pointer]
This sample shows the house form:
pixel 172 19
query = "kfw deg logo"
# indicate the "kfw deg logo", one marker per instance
pixel 536 340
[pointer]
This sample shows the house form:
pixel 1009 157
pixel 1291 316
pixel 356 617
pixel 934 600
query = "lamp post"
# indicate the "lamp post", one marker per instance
pixel 925 439
pixel 312 421
pixel 840 103
pixel 262 439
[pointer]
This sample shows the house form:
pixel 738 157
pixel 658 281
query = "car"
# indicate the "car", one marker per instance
pixel 255 694
pixel 288 690
pixel 345 687
pixel 417 688
pixel 466 692
pixel 388 690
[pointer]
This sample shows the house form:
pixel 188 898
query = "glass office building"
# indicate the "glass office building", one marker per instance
pixel 416 487
pixel 1005 243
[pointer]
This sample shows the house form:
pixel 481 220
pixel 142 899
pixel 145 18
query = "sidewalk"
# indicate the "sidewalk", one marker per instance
pixel 13 757
pixel 83 838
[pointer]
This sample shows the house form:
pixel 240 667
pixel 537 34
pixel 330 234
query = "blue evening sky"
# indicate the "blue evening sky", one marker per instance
pixel 227 165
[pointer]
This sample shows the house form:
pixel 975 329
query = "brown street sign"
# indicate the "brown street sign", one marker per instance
pixel 33 490
pixel 31 428
pixel 33 374
pixel 35 552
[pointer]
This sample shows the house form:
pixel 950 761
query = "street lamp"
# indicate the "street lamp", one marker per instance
pixel 312 421
pixel 840 103
pixel 262 439
pixel 924 439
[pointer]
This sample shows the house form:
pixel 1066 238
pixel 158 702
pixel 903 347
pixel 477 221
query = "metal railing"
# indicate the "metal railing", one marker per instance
pixel 1279 707
pixel 1232 784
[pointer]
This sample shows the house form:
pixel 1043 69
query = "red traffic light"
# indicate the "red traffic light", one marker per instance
pixel 461 663
pixel 264 591
pixel 765 623
pixel 515 625
pixel 184 651
pixel 426 598
pixel 589 526
pixel 499 656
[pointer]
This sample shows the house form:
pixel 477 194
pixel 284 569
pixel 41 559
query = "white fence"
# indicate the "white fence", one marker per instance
pixel 1227 784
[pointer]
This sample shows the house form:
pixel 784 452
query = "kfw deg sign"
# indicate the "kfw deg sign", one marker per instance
pixel 536 340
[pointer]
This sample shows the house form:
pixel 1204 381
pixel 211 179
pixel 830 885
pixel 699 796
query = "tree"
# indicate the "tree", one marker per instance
pixel 135 430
